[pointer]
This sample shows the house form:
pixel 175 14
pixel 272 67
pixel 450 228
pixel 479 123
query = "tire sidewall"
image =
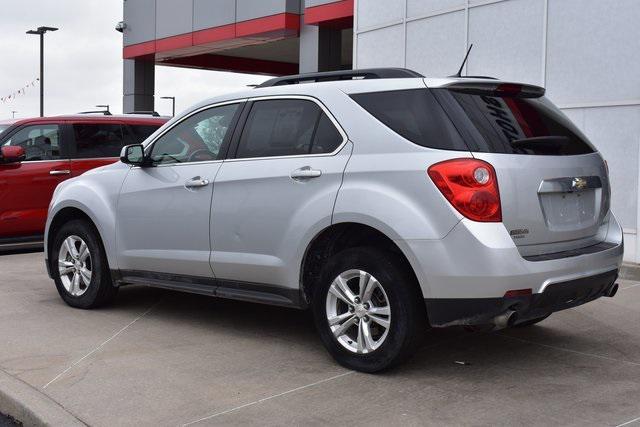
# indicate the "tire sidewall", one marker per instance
pixel 86 233
pixel 401 294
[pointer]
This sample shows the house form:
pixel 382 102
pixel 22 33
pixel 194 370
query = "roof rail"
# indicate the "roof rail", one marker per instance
pixel 149 113
pixel 103 112
pixel 367 73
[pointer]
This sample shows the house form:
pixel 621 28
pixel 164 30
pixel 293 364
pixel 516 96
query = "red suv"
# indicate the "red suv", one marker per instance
pixel 38 154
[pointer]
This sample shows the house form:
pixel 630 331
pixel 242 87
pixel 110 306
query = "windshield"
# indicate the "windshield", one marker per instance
pixel 3 128
pixel 513 125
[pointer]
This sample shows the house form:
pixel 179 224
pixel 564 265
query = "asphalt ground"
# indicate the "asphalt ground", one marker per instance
pixel 157 357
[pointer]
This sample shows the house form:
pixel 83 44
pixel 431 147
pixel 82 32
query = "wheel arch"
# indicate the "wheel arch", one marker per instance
pixel 71 212
pixel 340 236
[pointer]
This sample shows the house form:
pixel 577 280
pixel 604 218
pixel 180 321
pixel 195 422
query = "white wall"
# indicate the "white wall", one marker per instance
pixel 585 52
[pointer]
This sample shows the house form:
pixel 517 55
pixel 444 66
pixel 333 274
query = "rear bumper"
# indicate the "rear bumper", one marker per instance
pixel 482 311
pixel 468 272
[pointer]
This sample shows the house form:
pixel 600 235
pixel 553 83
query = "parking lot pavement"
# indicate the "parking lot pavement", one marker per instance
pixel 163 358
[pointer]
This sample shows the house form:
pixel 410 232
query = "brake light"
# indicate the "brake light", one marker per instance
pixel 471 186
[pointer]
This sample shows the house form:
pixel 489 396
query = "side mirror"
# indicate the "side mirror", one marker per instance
pixel 12 154
pixel 133 155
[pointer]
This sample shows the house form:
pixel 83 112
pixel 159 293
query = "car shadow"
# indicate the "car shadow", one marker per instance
pixel 445 351
pixel 20 251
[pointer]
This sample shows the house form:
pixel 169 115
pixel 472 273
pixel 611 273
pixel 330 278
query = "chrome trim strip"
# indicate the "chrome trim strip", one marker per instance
pixel 335 122
pixel 570 184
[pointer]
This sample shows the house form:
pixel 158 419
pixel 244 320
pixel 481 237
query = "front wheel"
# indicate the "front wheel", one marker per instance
pixel 79 266
pixel 368 309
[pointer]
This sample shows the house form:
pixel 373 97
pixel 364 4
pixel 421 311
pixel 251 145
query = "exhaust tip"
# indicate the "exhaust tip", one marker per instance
pixel 612 291
pixel 505 320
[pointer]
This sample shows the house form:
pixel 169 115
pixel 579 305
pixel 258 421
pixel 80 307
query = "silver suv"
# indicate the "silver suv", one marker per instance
pixel 384 201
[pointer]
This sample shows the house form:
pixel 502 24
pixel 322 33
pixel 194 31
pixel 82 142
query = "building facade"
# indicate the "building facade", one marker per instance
pixel 585 52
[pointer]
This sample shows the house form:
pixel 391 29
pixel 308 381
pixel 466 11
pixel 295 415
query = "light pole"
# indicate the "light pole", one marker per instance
pixel 13 114
pixel 173 104
pixel 40 31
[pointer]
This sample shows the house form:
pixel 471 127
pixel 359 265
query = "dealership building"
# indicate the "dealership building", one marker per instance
pixel 585 52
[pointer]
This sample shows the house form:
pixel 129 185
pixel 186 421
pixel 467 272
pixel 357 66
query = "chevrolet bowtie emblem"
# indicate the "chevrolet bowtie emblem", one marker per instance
pixel 579 184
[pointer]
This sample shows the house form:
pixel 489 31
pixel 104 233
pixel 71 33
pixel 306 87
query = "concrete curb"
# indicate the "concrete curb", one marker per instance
pixel 30 406
pixel 630 272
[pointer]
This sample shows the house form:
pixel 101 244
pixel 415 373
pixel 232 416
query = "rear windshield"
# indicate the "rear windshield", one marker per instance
pixel 513 125
pixel 416 115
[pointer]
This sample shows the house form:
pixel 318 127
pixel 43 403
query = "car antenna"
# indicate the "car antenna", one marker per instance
pixel 459 73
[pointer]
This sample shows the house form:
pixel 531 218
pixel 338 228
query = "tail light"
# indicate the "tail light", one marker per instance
pixel 471 186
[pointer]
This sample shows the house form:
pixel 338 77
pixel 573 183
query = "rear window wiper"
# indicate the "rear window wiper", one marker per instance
pixel 541 141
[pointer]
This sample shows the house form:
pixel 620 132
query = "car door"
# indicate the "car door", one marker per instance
pixel 26 187
pixel 276 192
pixel 95 144
pixel 164 208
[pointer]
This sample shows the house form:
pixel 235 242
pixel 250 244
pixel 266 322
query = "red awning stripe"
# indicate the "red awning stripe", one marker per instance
pixel 287 22
pixel 327 13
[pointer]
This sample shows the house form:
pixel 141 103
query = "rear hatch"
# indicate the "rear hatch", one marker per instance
pixel 554 186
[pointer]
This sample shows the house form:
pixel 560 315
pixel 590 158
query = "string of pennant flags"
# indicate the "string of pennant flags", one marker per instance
pixel 21 91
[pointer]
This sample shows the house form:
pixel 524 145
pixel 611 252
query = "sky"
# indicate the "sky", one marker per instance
pixel 83 61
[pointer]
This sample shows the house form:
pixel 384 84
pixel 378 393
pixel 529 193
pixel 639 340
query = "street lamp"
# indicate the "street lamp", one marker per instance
pixel 13 114
pixel 173 104
pixel 40 31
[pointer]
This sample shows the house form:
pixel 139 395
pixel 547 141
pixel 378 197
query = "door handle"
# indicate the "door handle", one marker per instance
pixel 60 172
pixel 305 173
pixel 196 182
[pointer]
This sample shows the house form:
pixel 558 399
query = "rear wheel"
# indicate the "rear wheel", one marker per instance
pixel 79 266
pixel 368 309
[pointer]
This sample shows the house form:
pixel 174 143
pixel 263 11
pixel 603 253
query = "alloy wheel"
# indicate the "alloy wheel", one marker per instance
pixel 358 311
pixel 74 265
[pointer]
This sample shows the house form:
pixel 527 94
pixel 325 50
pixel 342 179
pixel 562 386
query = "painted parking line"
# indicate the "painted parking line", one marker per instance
pixel 61 374
pixel 635 420
pixel 217 414
pixel 597 356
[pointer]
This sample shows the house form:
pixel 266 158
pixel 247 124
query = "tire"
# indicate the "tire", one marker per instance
pixel 530 322
pixel 396 292
pixel 91 290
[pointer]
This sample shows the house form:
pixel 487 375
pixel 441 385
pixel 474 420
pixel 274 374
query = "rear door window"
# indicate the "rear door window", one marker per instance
pixel 414 114
pixel 287 127
pixel 95 140
pixel 514 125
pixel 40 142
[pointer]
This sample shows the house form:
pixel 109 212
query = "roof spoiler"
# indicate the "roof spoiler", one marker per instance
pixel 367 73
pixel 497 89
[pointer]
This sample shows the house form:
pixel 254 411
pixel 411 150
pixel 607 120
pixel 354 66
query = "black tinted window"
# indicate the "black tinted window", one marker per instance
pixel 515 125
pixel 98 140
pixel 415 114
pixel 327 137
pixel 40 142
pixel 197 138
pixel 287 127
pixel 138 133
